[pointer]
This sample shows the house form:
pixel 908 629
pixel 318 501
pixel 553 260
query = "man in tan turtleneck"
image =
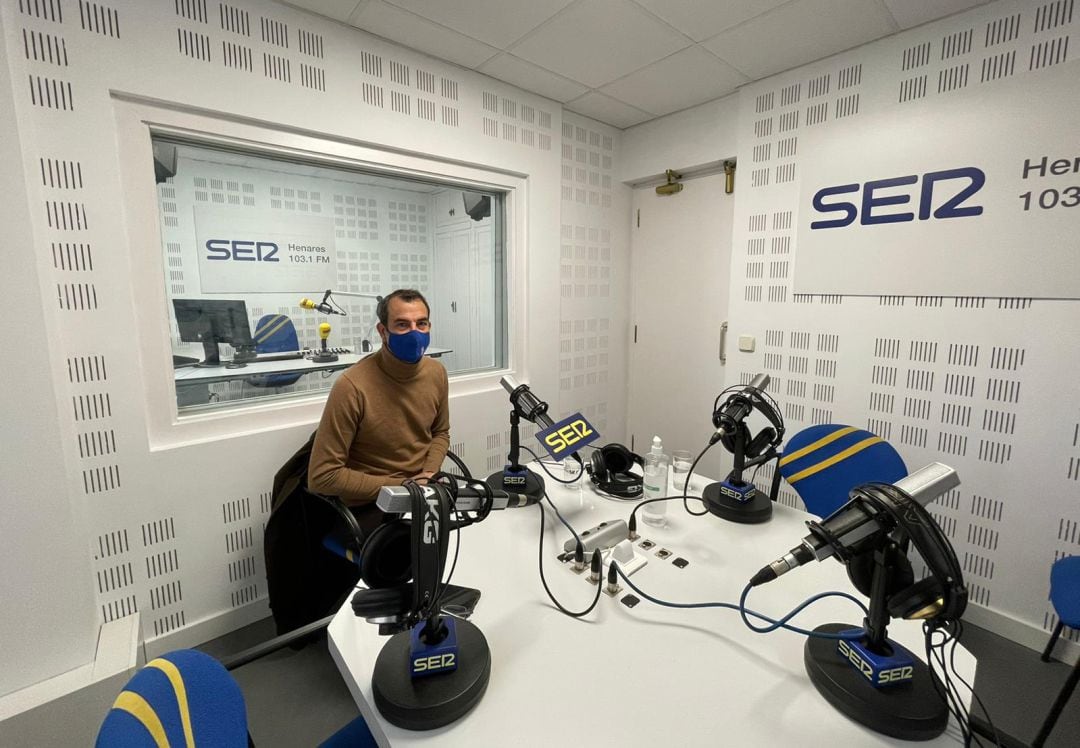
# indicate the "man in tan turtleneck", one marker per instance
pixel 388 416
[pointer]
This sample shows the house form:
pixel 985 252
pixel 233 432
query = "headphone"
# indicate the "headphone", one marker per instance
pixel 941 596
pixel 609 469
pixel 386 568
pixel 769 437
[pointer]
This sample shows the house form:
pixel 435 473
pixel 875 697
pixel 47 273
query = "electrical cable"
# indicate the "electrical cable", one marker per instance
pixel 781 623
pixel 543 580
pixel 959 625
pixel 544 468
pixel 686 485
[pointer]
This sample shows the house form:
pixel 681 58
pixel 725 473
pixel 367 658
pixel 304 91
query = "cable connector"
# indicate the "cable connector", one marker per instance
pixel 579 558
pixel 596 568
pixel 612 587
pixel 632 526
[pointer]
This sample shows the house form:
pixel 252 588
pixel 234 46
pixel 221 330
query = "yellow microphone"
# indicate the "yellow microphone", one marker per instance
pixel 324 356
pixel 325 308
pixel 306 303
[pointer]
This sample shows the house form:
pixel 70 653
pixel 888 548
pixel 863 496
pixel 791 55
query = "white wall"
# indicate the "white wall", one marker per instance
pixel 981 383
pixel 174 515
pixel 681 141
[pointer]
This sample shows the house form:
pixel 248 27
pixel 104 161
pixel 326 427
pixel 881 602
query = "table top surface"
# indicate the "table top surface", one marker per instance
pixel 649 675
pixel 205 375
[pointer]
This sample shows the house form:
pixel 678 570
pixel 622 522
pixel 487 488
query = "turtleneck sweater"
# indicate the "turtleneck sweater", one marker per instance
pixel 385 420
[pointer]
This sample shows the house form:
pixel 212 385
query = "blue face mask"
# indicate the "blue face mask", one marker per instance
pixel 408 346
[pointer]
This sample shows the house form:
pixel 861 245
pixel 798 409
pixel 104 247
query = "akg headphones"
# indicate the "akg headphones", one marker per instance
pixel 386 568
pixel 770 436
pixel 941 596
pixel 609 469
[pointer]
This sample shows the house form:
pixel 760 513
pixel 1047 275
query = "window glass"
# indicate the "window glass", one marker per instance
pixel 273 268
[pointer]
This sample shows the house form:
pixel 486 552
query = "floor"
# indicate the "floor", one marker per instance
pixel 298 698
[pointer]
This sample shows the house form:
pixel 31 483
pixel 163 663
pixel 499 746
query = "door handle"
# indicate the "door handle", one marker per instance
pixel 723 343
pixel 453 307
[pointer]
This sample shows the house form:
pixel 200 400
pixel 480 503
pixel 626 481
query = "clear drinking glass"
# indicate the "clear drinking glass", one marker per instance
pixel 681 460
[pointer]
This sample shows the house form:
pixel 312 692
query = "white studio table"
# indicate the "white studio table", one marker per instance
pixel 190 375
pixel 645 676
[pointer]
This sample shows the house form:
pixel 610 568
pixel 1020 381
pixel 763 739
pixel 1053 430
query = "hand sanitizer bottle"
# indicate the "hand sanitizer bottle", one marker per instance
pixel 656 485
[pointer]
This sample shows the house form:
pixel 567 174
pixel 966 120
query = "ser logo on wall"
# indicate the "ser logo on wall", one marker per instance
pixel 894 200
pixel 242 251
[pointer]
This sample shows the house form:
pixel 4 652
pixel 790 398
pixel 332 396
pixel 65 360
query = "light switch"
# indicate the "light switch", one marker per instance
pixel 746 343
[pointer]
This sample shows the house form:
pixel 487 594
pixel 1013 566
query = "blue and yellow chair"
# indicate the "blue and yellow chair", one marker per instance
pixel 275 333
pixel 823 463
pixel 182 698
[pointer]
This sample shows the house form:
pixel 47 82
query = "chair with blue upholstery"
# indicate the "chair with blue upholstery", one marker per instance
pixel 1065 597
pixel 275 333
pixel 823 463
pixel 182 698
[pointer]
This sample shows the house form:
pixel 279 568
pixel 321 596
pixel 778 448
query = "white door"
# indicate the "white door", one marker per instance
pixel 450 320
pixel 680 257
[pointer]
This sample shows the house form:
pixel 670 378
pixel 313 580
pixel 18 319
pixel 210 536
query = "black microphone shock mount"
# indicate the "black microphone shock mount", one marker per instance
pixel 736 499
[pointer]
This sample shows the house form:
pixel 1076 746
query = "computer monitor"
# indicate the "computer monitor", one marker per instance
pixel 214 321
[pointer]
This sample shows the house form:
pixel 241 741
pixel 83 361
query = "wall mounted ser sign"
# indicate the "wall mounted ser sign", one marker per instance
pixel 245 250
pixel 980 200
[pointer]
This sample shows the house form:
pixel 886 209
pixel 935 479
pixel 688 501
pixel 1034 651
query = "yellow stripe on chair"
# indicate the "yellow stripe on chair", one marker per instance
pixel 838 457
pixel 137 707
pixel 177 681
pixel 263 333
pixel 788 458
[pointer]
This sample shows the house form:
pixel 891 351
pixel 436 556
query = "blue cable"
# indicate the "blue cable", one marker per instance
pixel 744 611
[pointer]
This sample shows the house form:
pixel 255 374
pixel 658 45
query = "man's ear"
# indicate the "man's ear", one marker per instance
pixel 381 329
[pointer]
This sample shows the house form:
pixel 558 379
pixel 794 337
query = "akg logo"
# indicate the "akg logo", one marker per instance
pixel 952 188
pixel 431 522
pixel 243 251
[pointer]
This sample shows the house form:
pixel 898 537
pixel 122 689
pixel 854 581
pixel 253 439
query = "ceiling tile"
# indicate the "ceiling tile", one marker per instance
pixel 800 32
pixel 682 80
pixel 597 41
pixel 608 110
pixel 336 9
pixel 497 22
pixel 525 75
pixel 700 19
pixel 911 13
pixel 411 30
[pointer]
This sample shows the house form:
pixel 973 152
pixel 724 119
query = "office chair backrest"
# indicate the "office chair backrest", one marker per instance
pixel 1065 590
pixel 274 333
pixel 183 698
pixel 823 463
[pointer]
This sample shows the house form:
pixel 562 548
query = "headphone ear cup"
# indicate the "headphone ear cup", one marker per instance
pixel 923 599
pixel 386 556
pixel 617 458
pixel 382 602
pixel 596 467
pixel 759 443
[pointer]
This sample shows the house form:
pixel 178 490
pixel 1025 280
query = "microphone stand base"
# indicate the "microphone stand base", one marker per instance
pixel 910 711
pixel 437 700
pixel 533 485
pixel 756 510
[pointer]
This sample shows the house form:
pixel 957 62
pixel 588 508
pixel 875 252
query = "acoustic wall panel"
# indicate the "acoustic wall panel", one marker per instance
pixel 979 383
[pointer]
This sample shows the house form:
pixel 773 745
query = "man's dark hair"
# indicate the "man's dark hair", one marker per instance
pixel 405 294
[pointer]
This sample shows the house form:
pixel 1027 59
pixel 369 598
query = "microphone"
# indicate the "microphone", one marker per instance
pixel 529 405
pixel 852 523
pixel 396 499
pixel 737 408
pixel 322 307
